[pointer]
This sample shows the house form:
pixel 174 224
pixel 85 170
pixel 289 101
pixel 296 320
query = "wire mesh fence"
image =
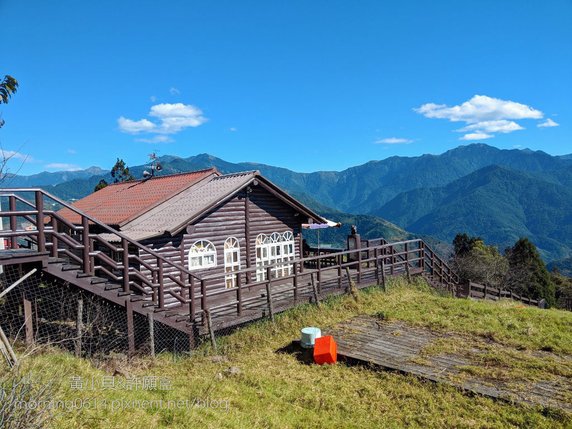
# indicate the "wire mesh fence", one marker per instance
pixel 46 311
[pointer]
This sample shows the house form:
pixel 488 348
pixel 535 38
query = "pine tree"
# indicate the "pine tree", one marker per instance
pixel 527 272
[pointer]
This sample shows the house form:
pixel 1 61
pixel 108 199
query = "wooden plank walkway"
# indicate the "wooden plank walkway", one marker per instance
pixel 398 346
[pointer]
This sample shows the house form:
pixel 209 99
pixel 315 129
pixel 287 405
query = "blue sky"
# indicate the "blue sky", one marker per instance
pixel 307 85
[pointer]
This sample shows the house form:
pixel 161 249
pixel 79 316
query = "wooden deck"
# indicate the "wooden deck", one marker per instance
pixel 398 346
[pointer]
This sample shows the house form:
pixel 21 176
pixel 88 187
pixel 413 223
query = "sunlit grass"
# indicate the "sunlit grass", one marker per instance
pixel 275 390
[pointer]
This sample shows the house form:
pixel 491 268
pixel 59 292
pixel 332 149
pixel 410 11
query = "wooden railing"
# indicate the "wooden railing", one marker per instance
pixel 126 262
pixel 475 290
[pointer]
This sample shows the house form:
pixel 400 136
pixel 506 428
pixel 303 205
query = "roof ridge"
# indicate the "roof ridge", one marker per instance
pixel 136 181
pixel 237 173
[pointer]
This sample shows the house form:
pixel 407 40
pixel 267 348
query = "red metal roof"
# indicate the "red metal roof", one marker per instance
pixel 120 202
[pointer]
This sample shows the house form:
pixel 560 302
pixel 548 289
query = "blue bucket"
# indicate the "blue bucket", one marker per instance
pixel 309 336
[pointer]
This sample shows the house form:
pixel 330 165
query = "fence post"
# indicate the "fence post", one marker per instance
pixel 315 290
pixel 28 320
pixel 13 222
pixel 79 327
pixel 269 293
pixel 192 304
pixel 359 266
pixel 130 327
pixel 210 328
pixel 406 248
pixel 376 257
pixel 485 291
pixel 151 334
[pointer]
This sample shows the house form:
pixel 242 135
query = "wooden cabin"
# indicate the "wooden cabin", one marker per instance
pixel 205 221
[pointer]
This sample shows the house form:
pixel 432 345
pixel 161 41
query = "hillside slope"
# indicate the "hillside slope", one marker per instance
pixel 496 203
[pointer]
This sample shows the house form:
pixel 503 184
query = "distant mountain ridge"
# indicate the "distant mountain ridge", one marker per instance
pixel 476 188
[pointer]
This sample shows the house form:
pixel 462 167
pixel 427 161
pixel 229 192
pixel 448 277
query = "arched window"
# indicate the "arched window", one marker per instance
pixel 271 249
pixel 231 261
pixel 202 254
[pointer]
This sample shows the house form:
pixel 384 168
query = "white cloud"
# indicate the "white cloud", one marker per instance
pixel 174 91
pixel 153 99
pixel 156 139
pixel 476 136
pixel 12 154
pixel 171 119
pixel 393 140
pixel 72 151
pixel 62 166
pixel 232 129
pixel 176 117
pixel 502 126
pixel 483 115
pixel 478 109
pixel 548 123
pixel 135 127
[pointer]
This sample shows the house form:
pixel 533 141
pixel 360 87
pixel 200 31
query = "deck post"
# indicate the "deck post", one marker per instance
pixel 85 243
pixel 204 298
pixel 40 221
pixel 295 280
pixel 161 298
pixel 151 334
pixel 130 327
pixel 54 250
pixel 13 222
pixel 383 274
pixel 422 255
pixel 359 267
pixel 406 247
pixel 392 260
pixel 79 327
pixel 339 260
pixel 238 295
pixel 191 296
pixel 125 259
pixel 269 293
pixel 28 320
pixel 319 275
pixel 376 257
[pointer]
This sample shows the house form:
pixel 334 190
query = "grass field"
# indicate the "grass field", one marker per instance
pixel 249 385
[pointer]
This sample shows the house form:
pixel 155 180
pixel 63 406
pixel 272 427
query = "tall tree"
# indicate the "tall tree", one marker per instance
pixel 120 172
pixel 527 273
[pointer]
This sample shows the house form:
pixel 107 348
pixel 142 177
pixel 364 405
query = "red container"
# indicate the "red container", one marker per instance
pixel 325 350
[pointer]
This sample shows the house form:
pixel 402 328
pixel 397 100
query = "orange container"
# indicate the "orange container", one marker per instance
pixel 325 350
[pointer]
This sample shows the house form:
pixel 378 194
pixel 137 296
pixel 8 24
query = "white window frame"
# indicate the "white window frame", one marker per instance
pixel 272 249
pixel 202 255
pixel 231 261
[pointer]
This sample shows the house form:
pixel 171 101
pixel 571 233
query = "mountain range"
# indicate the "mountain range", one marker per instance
pixel 499 195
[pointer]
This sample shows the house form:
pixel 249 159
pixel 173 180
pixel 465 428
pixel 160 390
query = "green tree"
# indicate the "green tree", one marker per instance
pixel 527 273
pixel 8 87
pixel 120 172
pixel 100 185
pixel 477 262
pixel 463 244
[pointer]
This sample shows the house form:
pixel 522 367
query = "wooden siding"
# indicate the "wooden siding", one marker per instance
pixel 267 214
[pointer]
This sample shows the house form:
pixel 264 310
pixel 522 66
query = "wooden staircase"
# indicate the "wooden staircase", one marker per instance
pixel 113 271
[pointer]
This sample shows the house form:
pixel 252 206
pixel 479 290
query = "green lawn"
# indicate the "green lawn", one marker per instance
pixel 275 390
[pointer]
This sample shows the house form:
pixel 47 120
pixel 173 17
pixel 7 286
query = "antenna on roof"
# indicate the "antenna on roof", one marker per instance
pixel 155 166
